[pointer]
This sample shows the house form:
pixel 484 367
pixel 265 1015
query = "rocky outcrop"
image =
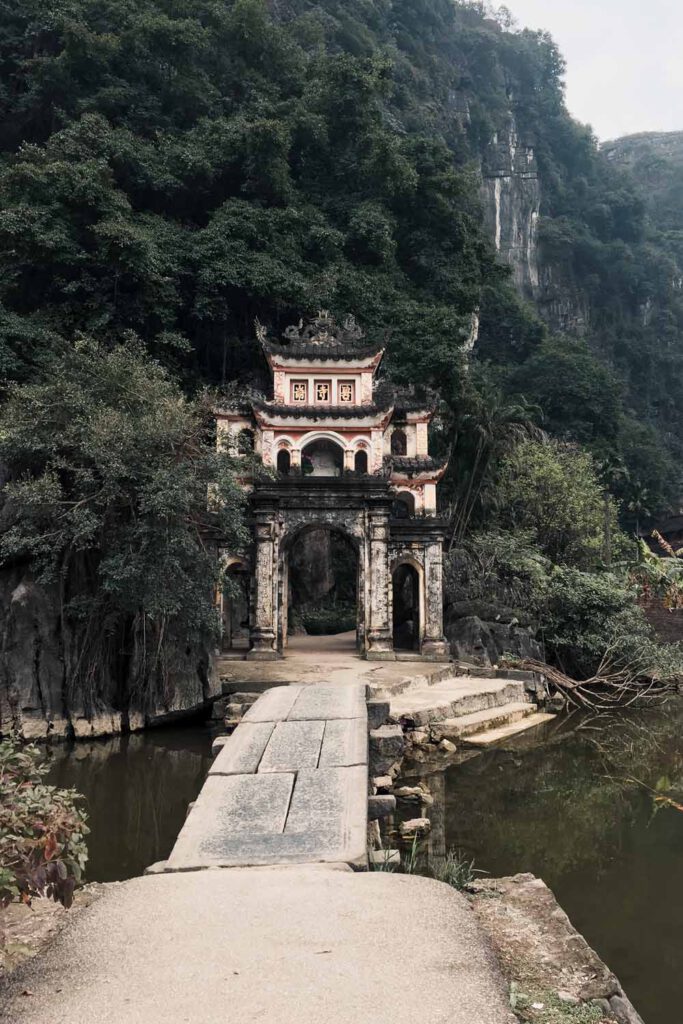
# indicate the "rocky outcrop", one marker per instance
pixel 482 634
pixel 512 198
pixel 541 952
pixel 37 654
pixel 656 148
pixel 512 203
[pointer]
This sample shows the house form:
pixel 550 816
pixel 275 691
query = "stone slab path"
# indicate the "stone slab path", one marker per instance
pixel 289 786
pixel 293 945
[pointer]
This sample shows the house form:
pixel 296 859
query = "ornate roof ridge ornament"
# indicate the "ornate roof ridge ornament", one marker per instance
pixel 321 336
pixel 322 329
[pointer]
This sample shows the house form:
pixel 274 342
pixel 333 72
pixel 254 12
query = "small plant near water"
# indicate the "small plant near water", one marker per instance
pixel 42 831
pixel 545 1007
pixel 456 870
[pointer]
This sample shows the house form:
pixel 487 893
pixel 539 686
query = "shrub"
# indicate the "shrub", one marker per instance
pixel 42 831
pixel 325 621
pixel 552 489
pixel 590 615
pixel 503 569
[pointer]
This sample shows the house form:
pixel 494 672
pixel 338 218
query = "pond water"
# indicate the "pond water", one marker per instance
pixel 136 791
pixel 571 811
pixel 563 809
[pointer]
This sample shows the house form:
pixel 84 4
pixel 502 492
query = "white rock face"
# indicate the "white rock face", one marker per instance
pixel 511 194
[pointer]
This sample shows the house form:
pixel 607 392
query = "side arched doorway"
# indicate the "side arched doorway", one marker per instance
pixel 407 607
pixel 235 608
pixel 321 589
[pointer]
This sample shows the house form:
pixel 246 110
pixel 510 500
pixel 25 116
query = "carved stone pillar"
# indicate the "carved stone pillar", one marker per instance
pixel 434 644
pixel 361 599
pixel 263 635
pixel 380 644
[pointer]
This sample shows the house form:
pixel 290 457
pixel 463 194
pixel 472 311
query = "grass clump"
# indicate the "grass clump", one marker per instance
pixel 456 870
pixel 545 1007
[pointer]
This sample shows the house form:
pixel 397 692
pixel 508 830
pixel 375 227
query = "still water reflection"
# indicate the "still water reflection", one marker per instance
pixel 567 811
pixel 136 789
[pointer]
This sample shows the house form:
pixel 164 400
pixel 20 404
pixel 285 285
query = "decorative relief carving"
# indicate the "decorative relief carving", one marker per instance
pixel 279 379
pixel 267 440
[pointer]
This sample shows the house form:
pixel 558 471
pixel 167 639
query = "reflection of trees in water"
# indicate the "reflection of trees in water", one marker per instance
pixel 561 808
pixel 137 789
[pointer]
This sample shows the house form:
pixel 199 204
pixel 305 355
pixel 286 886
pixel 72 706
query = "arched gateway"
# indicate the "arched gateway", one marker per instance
pixel 345 450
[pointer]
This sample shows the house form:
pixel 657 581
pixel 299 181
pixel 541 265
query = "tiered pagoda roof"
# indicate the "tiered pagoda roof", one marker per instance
pixel 323 339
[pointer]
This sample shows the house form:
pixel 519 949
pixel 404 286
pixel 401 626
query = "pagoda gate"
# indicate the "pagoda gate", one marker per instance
pixel 350 456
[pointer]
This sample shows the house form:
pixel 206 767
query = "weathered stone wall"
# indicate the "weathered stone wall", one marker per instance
pixel 540 950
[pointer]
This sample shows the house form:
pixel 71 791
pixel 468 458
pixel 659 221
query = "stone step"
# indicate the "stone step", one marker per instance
pixel 491 737
pixel 481 722
pixel 398 686
pixel 454 698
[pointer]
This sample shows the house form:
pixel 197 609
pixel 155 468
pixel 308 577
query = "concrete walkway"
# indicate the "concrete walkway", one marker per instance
pixel 293 945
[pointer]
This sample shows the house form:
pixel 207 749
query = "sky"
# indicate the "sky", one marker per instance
pixel 624 60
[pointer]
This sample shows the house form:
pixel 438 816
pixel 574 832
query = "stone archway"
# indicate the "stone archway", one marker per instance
pixel 320 577
pixel 234 607
pixel 360 509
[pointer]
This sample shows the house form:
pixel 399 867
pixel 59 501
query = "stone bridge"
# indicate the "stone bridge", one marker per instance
pixel 289 786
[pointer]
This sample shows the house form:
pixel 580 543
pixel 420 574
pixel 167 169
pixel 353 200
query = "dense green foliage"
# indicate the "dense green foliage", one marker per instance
pixel 109 468
pixel 172 169
pixel 187 167
pixel 552 491
pixel 552 555
pixel 42 831
pixel 180 168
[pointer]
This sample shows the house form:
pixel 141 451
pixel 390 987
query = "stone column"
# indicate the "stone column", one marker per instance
pixel 434 644
pixel 264 627
pixel 380 643
pixel 283 602
pixel 361 603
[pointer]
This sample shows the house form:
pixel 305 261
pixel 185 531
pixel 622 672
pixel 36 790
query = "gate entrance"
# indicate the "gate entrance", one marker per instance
pixel 346 531
pixel 407 610
pixel 321 570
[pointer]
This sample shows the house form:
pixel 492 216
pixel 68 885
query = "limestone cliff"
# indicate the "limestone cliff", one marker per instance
pixel 512 196
pixel 512 204
pixel 649 152
pixel 37 655
pixel 655 161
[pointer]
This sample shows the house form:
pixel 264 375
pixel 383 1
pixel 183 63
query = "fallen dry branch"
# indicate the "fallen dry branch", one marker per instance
pixel 611 687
